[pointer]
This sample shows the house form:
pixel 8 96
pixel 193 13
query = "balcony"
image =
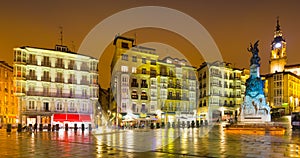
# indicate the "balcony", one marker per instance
pixel 62 66
pixel 134 97
pixel 144 97
pixel 31 77
pixel 31 62
pixel 19 59
pixel 163 74
pixel 84 82
pixel 178 86
pixel 144 85
pixel 59 80
pixel 152 74
pixel 72 67
pixel 46 79
pixel 47 64
pixel 134 84
pixel 84 68
pixel 72 81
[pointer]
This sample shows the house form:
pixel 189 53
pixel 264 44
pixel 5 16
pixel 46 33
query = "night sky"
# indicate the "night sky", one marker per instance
pixel 233 24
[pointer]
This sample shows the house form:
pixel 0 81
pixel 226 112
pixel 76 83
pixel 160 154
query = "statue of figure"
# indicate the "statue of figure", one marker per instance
pixel 254 50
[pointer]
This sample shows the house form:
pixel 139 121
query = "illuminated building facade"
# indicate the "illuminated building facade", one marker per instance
pixel 8 104
pixel 283 81
pixel 278 56
pixel 162 90
pixel 221 90
pixel 55 86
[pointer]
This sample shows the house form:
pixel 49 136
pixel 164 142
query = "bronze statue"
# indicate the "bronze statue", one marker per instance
pixel 254 50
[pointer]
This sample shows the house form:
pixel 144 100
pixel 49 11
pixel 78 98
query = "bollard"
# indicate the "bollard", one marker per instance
pixel 66 127
pixel 19 127
pixel 90 127
pixel 8 129
pixel 49 127
pixel 41 127
pixel 53 128
pixel 57 127
pixel 82 127
pixel 75 127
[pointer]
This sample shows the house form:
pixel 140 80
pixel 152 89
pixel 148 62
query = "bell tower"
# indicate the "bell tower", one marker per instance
pixel 278 56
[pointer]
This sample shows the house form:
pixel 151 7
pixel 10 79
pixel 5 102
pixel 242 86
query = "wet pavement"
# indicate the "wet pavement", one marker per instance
pixel 207 141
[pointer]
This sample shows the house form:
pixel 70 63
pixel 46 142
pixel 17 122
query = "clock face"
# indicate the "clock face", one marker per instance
pixel 278 45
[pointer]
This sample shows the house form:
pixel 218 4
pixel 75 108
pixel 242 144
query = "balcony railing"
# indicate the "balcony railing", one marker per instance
pixel 31 62
pixel 53 94
pixel 72 67
pixel 48 64
pixel 47 79
pixel 84 68
pixel 72 81
pixel 134 84
pixel 60 66
pixel 134 97
pixel 59 80
pixel 144 85
pixel 84 82
pixel 144 97
pixel 31 77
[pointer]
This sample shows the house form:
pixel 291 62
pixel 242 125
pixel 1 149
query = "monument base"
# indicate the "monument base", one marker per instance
pixel 255 119
pixel 259 128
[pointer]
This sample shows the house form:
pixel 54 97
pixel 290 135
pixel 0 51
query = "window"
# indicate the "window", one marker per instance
pixel 31 105
pixel 153 62
pixel 125 45
pixel 133 70
pixel 124 68
pixel 143 109
pixel 125 57
pixel 134 59
pixel 134 107
pixel 59 91
pixel 144 60
pixel 46 76
pixel 71 107
pixel 83 107
pixel 123 105
pixel 84 93
pixel 46 61
pixel 46 91
pixel 46 106
pixel 144 71
pixel 59 106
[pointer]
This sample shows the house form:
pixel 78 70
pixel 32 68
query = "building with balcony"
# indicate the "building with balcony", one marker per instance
pixel 146 87
pixel 55 86
pixel 221 90
pixel 8 103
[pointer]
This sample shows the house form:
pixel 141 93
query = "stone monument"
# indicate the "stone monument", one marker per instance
pixel 254 107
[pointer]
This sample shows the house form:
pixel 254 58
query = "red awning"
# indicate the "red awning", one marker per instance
pixel 71 118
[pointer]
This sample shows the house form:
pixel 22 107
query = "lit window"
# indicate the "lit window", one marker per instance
pixel 133 69
pixel 124 68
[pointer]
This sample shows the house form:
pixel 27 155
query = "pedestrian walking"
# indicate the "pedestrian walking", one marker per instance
pixel 35 127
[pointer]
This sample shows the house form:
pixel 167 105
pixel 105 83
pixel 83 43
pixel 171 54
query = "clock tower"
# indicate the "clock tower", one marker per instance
pixel 278 57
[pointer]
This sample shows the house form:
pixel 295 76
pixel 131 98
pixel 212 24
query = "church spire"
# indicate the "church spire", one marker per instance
pixel 278 31
pixel 278 26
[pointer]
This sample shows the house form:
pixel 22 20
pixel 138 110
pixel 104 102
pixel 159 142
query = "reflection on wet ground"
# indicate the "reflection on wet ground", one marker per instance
pixel 208 141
